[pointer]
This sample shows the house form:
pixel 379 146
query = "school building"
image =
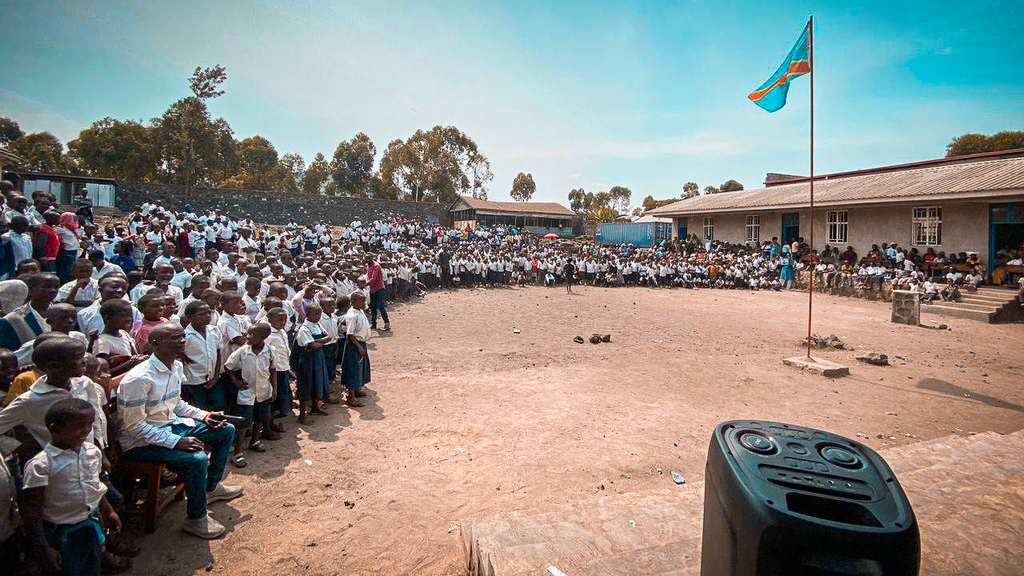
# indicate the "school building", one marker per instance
pixel 538 217
pixel 962 204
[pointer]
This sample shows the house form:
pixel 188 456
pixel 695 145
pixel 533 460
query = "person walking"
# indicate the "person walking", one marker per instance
pixel 378 293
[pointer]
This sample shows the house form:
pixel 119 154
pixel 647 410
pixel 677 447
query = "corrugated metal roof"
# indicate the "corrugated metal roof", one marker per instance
pixel 551 208
pixel 992 177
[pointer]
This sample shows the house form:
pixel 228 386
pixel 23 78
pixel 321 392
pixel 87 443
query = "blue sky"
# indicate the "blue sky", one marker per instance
pixel 647 95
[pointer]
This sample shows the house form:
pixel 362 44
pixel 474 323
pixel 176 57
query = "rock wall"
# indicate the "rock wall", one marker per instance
pixel 276 207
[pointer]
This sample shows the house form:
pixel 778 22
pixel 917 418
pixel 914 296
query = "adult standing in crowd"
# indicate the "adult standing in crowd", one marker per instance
pixel 378 293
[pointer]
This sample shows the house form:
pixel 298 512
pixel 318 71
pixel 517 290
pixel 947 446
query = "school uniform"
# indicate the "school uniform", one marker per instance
pixel 330 327
pixel 310 364
pixel 281 352
pixel 199 386
pixel 355 371
pixel 118 348
pixel 73 491
pixel 253 403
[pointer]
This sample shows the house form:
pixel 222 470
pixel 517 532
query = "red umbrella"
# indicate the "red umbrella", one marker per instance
pixel 551 236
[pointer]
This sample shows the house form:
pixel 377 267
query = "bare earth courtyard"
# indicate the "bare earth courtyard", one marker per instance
pixel 470 420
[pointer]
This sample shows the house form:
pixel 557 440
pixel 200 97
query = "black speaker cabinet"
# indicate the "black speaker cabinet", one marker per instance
pixel 785 500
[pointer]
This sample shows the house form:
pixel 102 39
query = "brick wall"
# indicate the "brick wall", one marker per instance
pixel 276 207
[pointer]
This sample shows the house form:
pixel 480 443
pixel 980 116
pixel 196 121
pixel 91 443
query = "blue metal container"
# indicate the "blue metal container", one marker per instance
pixel 642 234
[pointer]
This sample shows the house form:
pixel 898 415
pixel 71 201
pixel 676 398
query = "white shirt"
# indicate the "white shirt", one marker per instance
pixel 149 401
pixel 255 367
pixel 232 326
pixel 357 325
pixel 72 481
pixel 68 238
pixel 29 409
pixel 278 343
pixel 21 245
pixel 88 293
pixel 202 348
pixel 107 268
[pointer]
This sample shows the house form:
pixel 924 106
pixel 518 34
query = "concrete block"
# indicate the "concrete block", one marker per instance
pixel 818 366
pixel 906 307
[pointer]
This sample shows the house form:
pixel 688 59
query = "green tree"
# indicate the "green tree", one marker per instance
pixel 437 166
pixel 977 143
pixel 730 186
pixel 523 187
pixel 41 152
pixel 711 190
pixel 205 82
pixel 577 196
pixel 690 189
pixel 192 148
pixel 650 203
pixel 10 131
pixel 352 165
pixel 601 209
pixel 296 167
pixel 260 167
pixel 620 198
pixel 122 150
pixel 315 178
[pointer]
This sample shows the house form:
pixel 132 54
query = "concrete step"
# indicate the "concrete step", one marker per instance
pixel 991 300
pixel 959 459
pixel 680 558
pixel 907 459
pixel 957 311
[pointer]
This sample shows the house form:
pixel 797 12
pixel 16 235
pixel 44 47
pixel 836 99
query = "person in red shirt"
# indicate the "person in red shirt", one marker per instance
pixel 378 293
pixel 46 243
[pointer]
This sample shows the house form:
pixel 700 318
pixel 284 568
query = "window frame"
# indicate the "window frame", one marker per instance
pixel 926 227
pixel 709 228
pixel 753 224
pixel 834 224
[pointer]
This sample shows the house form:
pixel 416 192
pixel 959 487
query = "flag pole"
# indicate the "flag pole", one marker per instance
pixel 813 259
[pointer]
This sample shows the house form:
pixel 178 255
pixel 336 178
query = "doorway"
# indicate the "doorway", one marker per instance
pixel 1006 232
pixel 790 227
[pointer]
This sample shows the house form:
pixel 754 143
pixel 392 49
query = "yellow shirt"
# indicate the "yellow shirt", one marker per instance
pixel 21 384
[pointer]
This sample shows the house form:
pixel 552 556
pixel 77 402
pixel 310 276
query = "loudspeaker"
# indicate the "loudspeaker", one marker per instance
pixel 786 500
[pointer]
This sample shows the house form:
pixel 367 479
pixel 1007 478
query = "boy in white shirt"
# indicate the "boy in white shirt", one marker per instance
pixel 279 348
pixel 356 360
pixel 200 386
pixel 252 368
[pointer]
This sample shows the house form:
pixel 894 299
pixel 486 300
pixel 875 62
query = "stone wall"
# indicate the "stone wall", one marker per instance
pixel 276 207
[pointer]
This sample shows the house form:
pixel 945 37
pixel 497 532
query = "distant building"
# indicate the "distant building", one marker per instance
pixel 103 191
pixel 8 157
pixel 537 217
pixel 968 203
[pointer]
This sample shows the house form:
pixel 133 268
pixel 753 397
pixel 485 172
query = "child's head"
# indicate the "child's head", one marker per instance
pixel 113 286
pixel 313 312
pixel 170 306
pixel 60 358
pixel 212 298
pixel 134 278
pixel 252 286
pixel 98 370
pixel 343 303
pixel 61 317
pixel 70 422
pixel 231 302
pixel 277 318
pixel 163 273
pixel 117 315
pixel 327 305
pixel 198 314
pixel 152 305
pixel 258 334
pixel 82 269
pixel 227 284
pixel 8 366
pixel 358 299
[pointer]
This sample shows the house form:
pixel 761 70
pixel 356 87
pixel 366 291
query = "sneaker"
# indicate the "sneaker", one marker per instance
pixel 204 527
pixel 223 492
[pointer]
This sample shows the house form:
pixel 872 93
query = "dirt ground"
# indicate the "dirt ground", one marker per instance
pixel 470 419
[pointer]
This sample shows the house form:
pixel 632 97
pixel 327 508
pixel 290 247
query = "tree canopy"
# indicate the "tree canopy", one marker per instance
pixel 352 166
pixel 730 186
pixel 523 187
pixel 977 143
pixel 435 166
pixel 10 131
pixel 41 151
pixel 124 150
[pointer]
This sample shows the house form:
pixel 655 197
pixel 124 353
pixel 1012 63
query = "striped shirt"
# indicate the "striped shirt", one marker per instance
pixel 149 401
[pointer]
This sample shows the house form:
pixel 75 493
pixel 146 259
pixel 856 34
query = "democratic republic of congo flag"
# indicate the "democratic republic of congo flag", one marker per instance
pixel 772 94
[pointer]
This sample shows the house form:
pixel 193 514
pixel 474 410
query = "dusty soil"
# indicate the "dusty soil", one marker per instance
pixel 470 419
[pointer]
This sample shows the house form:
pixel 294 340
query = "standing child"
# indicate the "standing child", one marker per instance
pixel 200 384
pixel 310 364
pixel 63 497
pixel 152 307
pixel 114 343
pixel 356 364
pixel 251 368
pixel 281 351
pixel 329 323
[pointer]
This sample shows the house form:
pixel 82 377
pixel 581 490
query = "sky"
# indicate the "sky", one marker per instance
pixel 647 95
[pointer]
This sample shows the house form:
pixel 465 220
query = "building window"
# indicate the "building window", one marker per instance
pixel 709 227
pixel 838 226
pixel 754 229
pixel 927 226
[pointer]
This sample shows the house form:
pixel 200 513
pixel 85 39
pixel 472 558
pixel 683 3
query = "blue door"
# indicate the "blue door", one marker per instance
pixel 790 227
pixel 1006 231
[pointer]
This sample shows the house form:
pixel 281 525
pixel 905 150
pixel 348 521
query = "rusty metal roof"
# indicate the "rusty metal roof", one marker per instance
pixel 1002 177
pixel 487 206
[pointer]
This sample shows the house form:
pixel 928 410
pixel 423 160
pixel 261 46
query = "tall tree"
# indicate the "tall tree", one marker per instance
pixel 260 166
pixel 296 167
pixel 650 203
pixel 601 209
pixel 352 165
pixel 576 198
pixel 205 82
pixel 10 131
pixel 620 197
pixel 690 189
pixel 730 186
pixel 711 190
pixel 41 151
pixel 315 178
pixel 523 187
pixel 122 150
pixel 191 148
pixel 435 166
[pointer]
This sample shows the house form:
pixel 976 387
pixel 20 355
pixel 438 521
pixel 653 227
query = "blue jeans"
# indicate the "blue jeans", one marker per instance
pixel 201 472
pixel 377 302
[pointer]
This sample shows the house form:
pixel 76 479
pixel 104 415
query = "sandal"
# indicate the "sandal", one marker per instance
pixel 360 393
pixel 257 446
pixel 238 460
pixel 319 411
pixel 332 399
pixel 354 402
pixel 304 419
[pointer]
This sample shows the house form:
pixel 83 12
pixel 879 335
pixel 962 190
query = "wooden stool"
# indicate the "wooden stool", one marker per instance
pixel 154 502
